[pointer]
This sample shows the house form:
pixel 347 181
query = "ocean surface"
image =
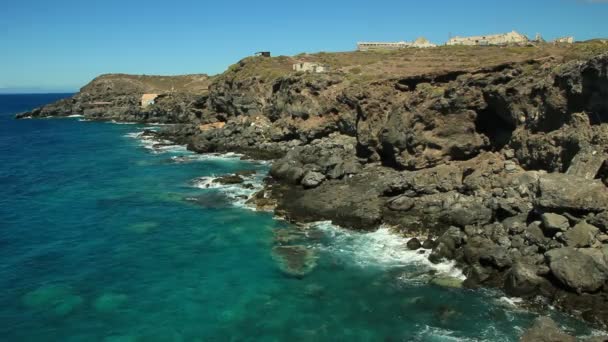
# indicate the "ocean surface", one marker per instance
pixel 104 237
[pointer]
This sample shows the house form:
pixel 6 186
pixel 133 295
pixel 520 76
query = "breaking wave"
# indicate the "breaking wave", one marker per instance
pixel 380 248
pixel 239 194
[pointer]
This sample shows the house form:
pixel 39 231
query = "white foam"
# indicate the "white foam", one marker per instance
pixel 381 248
pixel 511 301
pixel 157 145
pixel 238 194
pixel 437 334
pixel 123 122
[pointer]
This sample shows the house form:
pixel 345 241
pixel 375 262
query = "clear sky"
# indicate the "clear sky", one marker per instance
pixel 59 45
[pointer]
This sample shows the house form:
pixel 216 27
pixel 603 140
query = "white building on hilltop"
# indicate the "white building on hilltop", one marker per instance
pixel 418 43
pixel 310 67
pixel 510 38
pixel 564 40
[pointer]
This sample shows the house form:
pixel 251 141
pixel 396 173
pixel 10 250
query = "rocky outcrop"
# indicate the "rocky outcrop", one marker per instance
pixel 546 330
pixel 504 166
pixel 182 99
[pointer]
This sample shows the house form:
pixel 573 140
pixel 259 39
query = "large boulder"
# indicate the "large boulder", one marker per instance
pixel 554 223
pixel 563 192
pixel 546 330
pixel 582 270
pixel 582 235
pixel 522 280
pixel 447 244
pixel 486 252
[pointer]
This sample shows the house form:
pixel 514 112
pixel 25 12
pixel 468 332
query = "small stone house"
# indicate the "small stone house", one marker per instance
pixel 148 99
pixel 310 67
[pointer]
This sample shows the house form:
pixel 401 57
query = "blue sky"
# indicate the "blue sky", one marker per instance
pixel 60 45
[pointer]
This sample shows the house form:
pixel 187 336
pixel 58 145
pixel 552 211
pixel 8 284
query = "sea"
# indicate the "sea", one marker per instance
pixel 108 235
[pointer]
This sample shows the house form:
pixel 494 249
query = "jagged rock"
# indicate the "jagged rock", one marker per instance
pixel 534 234
pixel 545 329
pixel 564 192
pixel 482 250
pixel 414 244
pixel 582 235
pixel 600 220
pixel 229 179
pixel 312 179
pixel 515 225
pixel 402 203
pixel 587 163
pixel 522 280
pixel 446 245
pixel 580 270
pixel 554 223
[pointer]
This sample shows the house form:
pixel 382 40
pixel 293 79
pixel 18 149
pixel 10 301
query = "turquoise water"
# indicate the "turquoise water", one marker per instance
pixel 103 239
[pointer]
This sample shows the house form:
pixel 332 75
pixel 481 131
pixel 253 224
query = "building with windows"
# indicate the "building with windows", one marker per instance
pixel 510 38
pixel 418 43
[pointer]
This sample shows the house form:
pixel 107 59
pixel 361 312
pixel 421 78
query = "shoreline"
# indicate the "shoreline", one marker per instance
pixel 504 166
pixel 449 271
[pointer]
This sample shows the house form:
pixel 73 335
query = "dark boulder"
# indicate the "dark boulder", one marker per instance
pixel 229 179
pixel 522 280
pixel 447 245
pixel 414 244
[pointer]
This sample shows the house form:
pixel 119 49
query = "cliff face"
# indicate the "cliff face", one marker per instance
pixel 502 160
pixel 118 97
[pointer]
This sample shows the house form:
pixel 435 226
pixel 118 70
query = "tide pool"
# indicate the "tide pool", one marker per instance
pixel 104 238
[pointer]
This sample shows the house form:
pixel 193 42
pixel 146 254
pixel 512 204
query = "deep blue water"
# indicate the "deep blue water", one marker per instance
pixel 103 239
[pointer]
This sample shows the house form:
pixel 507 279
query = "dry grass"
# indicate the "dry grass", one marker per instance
pixel 196 83
pixel 366 65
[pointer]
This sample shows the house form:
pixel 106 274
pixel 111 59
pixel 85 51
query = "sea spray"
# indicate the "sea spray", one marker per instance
pixel 381 248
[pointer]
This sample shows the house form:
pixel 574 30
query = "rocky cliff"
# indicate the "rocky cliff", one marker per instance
pixel 499 155
pixel 118 97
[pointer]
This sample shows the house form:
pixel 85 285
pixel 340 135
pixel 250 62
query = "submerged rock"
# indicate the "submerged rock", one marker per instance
pixel 447 281
pixel 143 227
pixel 56 299
pixel 296 261
pixel 109 302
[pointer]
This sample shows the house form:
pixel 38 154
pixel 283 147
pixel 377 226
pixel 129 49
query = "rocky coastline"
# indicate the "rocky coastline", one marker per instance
pixel 504 166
